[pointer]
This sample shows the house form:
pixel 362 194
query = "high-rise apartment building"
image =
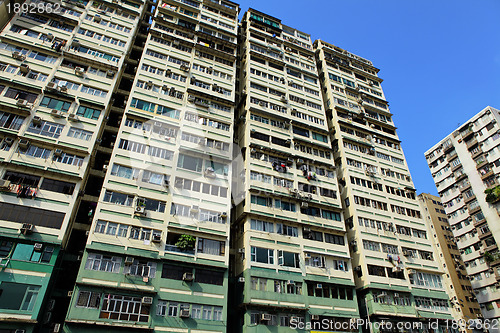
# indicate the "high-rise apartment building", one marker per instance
pixel 118 169
pixel 291 261
pixel 464 166
pixel 396 275
pixel 464 305
pixel 157 253
pixel 59 66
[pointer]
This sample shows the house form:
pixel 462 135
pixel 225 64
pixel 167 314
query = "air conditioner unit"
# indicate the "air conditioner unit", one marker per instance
pixel 184 68
pixel 156 238
pixel 241 279
pixel 56 113
pixel 184 314
pixel 188 277
pixel 63 89
pixel 73 117
pixel 24 144
pixel 57 328
pixel 209 173
pixel 314 317
pixel 22 102
pixel 18 55
pixel 147 300
pixel 129 260
pixel 24 68
pixel 38 247
pixel 79 71
pixel 105 167
pixel 8 141
pixel 27 228
pixel 58 152
pixel 304 205
pixel 36 120
pixel 4 185
pixel 51 86
pixel 140 210
pixel 265 317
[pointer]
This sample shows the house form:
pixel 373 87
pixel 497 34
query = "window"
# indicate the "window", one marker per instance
pixel 190 163
pixel 141 268
pixel 209 246
pixel 16 296
pixel 79 134
pixel 209 276
pixel 288 259
pixel 118 198
pixel 69 159
pixel 57 186
pixel 131 308
pixel 98 262
pixel 56 104
pixel 88 299
pixel 88 112
pixel 123 171
pixel 51 130
pixel 262 255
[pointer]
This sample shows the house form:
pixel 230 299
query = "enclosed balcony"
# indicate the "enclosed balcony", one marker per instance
pixel 471 143
pixel 467 133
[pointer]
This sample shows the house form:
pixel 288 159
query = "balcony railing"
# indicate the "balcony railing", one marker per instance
pixel 173 248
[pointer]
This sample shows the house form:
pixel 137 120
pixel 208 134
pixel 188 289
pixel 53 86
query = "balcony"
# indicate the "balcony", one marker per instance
pixel 465 187
pixel 476 152
pixel 479 222
pixel 484 235
pixel 459 175
pixel 473 210
pixel 447 147
pixel 450 157
pixel 467 133
pixel 469 199
pixel 471 143
pixel 486 174
pixel 456 167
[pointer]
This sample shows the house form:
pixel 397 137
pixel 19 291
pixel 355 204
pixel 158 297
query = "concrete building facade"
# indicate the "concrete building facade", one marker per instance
pixel 195 174
pixel 292 262
pixel 464 304
pixel 396 275
pixel 464 166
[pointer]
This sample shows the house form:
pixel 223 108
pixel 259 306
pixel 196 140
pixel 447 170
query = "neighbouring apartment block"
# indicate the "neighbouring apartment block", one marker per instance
pixel 464 305
pixel 465 167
